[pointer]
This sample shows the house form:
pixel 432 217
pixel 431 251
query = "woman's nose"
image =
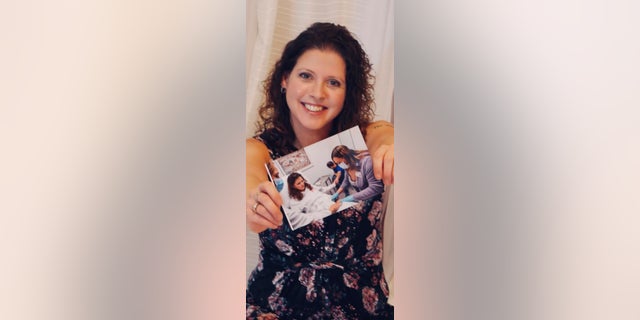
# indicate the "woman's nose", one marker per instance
pixel 318 91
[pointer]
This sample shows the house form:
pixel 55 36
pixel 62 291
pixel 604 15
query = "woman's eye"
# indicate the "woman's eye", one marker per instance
pixel 305 75
pixel 334 83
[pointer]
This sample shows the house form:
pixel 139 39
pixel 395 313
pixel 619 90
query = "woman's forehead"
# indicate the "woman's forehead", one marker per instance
pixel 325 60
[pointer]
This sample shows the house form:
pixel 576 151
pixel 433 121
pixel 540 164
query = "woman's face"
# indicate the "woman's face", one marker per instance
pixel 299 184
pixel 338 160
pixel 316 89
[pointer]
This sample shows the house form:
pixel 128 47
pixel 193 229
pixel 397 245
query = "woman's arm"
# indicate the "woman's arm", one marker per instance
pixel 335 206
pixel 379 139
pixel 343 186
pixel 374 185
pixel 325 188
pixel 260 190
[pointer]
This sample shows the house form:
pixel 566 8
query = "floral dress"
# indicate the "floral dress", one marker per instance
pixel 328 269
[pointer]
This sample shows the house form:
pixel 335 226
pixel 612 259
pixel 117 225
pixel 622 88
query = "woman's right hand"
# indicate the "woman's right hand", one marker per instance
pixel 263 200
pixel 263 207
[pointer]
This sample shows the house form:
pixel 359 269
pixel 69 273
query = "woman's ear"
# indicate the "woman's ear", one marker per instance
pixel 283 82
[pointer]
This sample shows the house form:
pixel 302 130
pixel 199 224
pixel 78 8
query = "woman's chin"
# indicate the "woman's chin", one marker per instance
pixel 317 126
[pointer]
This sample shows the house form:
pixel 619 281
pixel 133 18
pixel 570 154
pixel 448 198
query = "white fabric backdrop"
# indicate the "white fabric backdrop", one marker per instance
pixel 272 23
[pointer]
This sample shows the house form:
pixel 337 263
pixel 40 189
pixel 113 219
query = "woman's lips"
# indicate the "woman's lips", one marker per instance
pixel 313 107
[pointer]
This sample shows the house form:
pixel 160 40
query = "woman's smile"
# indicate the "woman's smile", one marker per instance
pixel 313 107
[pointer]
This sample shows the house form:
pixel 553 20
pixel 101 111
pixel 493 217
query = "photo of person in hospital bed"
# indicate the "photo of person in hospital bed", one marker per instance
pixel 307 203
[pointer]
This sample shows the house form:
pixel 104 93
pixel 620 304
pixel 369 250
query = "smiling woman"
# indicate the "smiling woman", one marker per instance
pixel 315 92
pixel 325 67
pixel 322 85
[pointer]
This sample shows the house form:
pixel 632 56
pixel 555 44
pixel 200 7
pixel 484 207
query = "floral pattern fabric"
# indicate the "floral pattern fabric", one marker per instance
pixel 328 269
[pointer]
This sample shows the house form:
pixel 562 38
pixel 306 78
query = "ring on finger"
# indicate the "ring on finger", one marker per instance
pixel 254 207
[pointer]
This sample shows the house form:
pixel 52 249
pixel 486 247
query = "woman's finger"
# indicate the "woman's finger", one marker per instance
pixel 383 163
pixel 270 198
pixel 388 172
pixel 377 160
pixel 270 190
pixel 268 208
pixel 388 166
pixel 257 213
pixel 257 222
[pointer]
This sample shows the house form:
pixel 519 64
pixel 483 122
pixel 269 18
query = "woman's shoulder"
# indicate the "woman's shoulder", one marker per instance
pixel 256 145
pixel 256 152
pixel 260 144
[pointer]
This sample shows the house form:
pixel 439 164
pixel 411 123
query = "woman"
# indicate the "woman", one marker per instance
pixel 331 270
pixel 306 203
pixel 359 174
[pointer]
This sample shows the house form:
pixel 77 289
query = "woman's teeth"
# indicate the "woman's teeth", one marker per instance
pixel 312 107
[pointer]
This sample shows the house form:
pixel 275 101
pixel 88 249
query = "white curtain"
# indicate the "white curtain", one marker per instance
pixel 272 23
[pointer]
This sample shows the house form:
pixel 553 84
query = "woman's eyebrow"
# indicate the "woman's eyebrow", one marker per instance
pixel 314 73
pixel 305 69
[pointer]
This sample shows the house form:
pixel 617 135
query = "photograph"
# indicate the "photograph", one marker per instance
pixel 324 178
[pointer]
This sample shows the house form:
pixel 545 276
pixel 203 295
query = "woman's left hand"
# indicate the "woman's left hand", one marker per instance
pixel 383 163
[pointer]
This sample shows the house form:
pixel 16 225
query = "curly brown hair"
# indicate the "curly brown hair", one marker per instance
pixel 358 104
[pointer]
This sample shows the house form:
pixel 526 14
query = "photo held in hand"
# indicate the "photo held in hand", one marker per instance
pixel 324 178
